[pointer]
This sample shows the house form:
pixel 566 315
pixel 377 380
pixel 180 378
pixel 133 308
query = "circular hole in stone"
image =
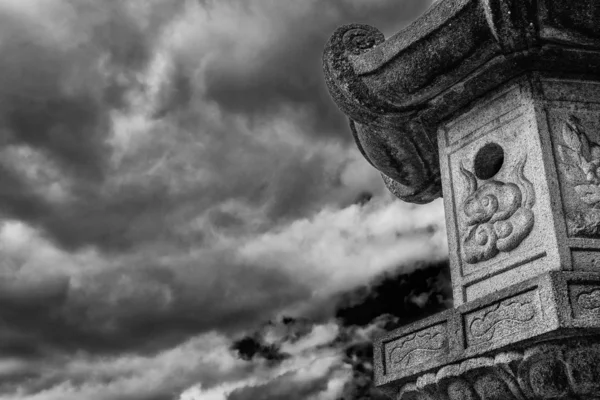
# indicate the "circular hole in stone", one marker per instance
pixel 488 161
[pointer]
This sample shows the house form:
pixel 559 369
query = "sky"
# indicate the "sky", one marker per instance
pixel 183 213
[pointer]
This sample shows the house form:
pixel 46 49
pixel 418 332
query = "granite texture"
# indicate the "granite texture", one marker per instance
pixel 498 233
pixel 398 91
pixel 521 177
pixel 563 369
pixel 519 168
pixel 552 306
pixel 495 104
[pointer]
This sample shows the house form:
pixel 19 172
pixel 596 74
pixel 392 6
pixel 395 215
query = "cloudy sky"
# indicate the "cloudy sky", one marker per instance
pixel 183 214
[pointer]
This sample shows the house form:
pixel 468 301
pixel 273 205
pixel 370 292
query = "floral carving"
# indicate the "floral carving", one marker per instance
pixel 497 215
pixel 580 159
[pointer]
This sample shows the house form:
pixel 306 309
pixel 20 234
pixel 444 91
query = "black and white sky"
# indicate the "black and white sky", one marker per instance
pixel 183 214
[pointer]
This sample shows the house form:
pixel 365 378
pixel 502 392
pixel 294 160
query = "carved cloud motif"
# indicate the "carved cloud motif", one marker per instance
pixel 497 215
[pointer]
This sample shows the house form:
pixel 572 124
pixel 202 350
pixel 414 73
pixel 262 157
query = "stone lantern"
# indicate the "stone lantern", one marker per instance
pixel 494 104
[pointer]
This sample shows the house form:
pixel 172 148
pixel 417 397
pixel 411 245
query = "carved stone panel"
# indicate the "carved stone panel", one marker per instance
pixel 500 213
pixel 579 166
pixel 493 323
pixel 585 300
pixel 417 348
pixel 586 260
pixel 497 215
pixel 494 177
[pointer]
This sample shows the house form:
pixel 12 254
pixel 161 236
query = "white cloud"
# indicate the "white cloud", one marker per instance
pixel 205 358
pixel 290 375
pixel 320 335
pixel 337 250
pixel 221 220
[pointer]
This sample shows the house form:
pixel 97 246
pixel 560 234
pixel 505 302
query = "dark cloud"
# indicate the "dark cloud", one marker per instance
pixel 407 297
pixel 360 386
pixel 390 301
pixel 146 303
pixel 56 125
pixel 266 342
pixel 286 67
pixel 60 99
pixel 57 99
pixel 363 198
pixel 250 347
pixel 57 94
pixel 113 220
pixel 19 199
pixel 284 387
pixel 384 305
pixel 139 310
pixel 170 174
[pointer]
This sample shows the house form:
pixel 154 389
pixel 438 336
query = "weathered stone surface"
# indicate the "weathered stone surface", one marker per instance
pixel 495 103
pixel 552 305
pixel 422 345
pixel 563 369
pixel 503 319
pixel 417 348
pixel 397 91
pixel 497 216
pixel 520 180
pixel 574 127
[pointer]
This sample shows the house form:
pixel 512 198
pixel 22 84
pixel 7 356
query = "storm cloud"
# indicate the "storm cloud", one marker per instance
pixel 174 176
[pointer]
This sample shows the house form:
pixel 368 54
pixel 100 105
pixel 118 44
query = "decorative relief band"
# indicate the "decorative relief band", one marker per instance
pixel 580 161
pixel 417 348
pixel 502 319
pixel 585 300
pixel 589 300
pixel 497 216
pixel 566 369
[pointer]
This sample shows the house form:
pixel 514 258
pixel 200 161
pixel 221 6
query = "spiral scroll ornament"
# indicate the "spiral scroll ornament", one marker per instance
pixel 360 39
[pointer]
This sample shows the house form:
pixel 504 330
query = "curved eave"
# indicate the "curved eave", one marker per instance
pixel 398 90
pixel 456 38
pixel 438 16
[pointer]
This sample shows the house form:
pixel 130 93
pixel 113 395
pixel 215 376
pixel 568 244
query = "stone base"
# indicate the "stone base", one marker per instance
pixel 539 339
pixel 565 369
